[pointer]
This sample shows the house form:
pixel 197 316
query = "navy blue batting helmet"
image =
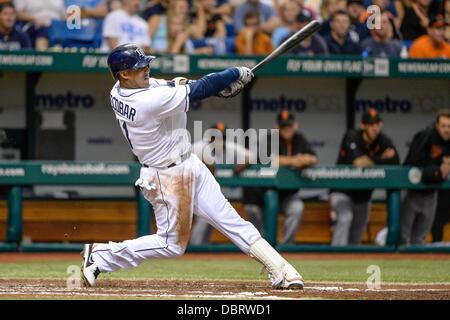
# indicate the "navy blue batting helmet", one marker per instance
pixel 127 57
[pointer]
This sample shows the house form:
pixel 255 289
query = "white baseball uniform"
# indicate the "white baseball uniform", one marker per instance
pixel 176 182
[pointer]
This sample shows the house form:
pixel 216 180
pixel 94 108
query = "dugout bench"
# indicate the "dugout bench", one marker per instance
pixel 392 178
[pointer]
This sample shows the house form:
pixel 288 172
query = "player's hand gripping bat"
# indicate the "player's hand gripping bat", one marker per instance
pixel 290 43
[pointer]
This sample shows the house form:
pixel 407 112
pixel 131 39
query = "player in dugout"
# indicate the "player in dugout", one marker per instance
pixel 361 148
pixel 294 152
pixel 429 149
pixel 216 149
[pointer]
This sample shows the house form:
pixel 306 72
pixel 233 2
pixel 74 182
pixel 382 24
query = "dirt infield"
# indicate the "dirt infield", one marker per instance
pixel 181 289
pixel 21 257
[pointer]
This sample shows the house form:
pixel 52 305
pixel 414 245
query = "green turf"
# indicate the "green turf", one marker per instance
pixel 247 269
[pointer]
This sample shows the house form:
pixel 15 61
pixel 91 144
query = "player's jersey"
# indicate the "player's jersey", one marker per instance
pixel 153 120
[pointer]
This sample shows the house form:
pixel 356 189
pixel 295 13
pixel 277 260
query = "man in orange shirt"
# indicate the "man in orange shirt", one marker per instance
pixel 251 40
pixel 433 44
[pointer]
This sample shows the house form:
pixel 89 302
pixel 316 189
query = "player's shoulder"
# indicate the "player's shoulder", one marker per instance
pixel 115 87
pixel 352 134
pixel 425 133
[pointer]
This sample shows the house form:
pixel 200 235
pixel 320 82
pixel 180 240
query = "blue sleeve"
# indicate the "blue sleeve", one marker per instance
pixel 211 84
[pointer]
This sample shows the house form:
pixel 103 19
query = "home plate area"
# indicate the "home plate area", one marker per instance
pixel 206 289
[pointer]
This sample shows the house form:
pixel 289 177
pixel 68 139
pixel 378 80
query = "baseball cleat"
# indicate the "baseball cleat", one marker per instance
pixel 291 279
pixel 89 270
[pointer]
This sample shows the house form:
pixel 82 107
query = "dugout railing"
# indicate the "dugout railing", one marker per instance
pixel 393 179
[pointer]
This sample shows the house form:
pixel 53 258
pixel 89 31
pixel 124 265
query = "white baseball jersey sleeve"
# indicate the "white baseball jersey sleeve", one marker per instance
pixel 153 120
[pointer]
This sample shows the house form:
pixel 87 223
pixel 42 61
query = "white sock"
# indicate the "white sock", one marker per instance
pixel 262 251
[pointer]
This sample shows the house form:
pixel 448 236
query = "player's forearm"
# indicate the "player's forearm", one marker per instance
pixel 211 84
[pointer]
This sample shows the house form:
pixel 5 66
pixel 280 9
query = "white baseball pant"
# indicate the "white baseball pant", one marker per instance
pixel 179 192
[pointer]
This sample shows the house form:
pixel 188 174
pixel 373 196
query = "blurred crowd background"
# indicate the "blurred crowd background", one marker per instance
pixel 404 28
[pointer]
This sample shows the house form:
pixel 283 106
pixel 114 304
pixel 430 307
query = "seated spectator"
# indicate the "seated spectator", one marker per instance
pixel 340 40
pixel 433 44
pixel 11 38
pixel 303 6
pixel 400 6
pixel 361 148
pixel 356 10
pixel 380 42
pixel 38 16
pixel 430 150
pixel 268 16
pixel 210 31
pixel 123 26
pixel 156 16
pixel 250 39
pixel 311 46
pixel 100 10
pixel 288 10
pixel 176 35
pixel 445 11
pixel 313 6
pixel 327 9
pixel 416 19
pixel 224 9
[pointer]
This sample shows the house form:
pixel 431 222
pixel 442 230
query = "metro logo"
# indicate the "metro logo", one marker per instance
pixel 384 105
pixel 276 104
pixel 60 101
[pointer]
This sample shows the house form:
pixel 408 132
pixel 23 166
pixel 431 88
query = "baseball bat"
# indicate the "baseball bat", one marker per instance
pixel 290 43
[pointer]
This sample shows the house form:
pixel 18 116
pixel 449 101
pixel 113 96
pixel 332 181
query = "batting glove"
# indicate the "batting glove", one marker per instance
pixel 245 75
pixel 232 90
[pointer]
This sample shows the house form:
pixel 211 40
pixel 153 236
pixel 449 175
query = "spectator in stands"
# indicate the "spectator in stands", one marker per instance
pixel 101 9
pixel 313 6
pixel 327 9
pixel 215 149
pixel 356 10
pixel 442 216
pixel 416 19
pixel 156 16
pixel 11 38
pixel 361 148
pixel 314 45
pixel 288 14
pixel 445 11
pixel 38 16
pixel 268 16
pixel 430 150
pixel 380 42
pixel 433 44
pixel 342 40
pixel 210 29
pixel 400 6
pixel 224 9
pixel 179 26
pixel 250 39
pixel 296 153
pixel 123 26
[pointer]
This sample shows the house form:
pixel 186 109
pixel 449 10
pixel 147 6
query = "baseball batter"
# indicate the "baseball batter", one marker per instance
pixel 152 116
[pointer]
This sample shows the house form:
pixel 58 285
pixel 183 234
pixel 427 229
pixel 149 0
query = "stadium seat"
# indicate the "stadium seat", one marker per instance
pixel 85 37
